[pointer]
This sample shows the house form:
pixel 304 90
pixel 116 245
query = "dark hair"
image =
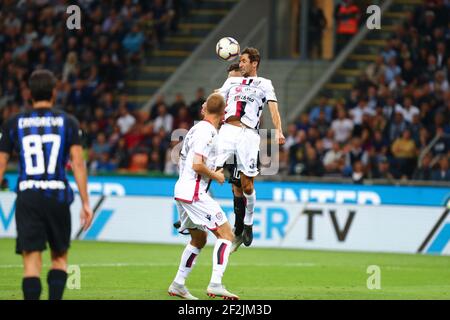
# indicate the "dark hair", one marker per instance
pixel 233 67
pixel 42 83
pixel 253 55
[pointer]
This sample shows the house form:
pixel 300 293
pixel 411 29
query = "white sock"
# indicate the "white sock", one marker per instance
pixel 187 262
pixel 220 259
pixel 250 200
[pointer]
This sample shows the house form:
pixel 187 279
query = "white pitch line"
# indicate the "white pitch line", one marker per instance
pixel 119 265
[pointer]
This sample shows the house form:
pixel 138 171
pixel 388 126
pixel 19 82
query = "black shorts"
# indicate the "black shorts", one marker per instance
pixel 39 220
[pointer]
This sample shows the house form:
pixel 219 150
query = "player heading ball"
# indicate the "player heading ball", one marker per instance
pixel 239 138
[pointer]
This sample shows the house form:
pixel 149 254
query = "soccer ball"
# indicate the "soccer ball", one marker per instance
pixel 227 48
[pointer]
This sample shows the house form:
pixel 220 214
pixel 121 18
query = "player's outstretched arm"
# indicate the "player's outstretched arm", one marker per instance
pixel 200 168
pixel 3 162
pixel 276 119
pixel 80 174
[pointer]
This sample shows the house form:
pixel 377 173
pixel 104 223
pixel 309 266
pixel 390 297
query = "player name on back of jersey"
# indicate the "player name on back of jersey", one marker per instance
pixel 42 184
pixel 28 122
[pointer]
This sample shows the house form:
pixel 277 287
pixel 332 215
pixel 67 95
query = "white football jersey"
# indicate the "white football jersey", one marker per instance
pixel 200 140
pixel 246 97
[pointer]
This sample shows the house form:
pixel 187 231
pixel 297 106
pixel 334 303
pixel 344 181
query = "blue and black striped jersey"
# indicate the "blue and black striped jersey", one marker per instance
pixel 42 139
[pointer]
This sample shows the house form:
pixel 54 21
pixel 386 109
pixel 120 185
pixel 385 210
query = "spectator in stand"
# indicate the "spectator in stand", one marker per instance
pixel 171 160
pixel 196 106
pixel 139 162
pixel 103 164
pixel 312 165
pixel 322 124
pixel 161 17
pixel 409 72
pixel 431 68
pixel 358 114
pixel 133 43
pixel 442 145
pixel 390 107
pixel 334 160
pixel 297 153
pixel 342 127
pixel 316 26
pixel 356 153
pixel 424 172
pixel 100 145
pixel 79 98
pixel 303 123
pixel 397 86
pixel 155 163
pixel 358 172
pixel 382 170
pixel 70 67
pixel 379 122
pixel 398 126
pixel 328 140
pixel 439 84
pixel 347 17
pixel 405 154
pixel 160 99
pixel 125 120
pixel 121 154
pixel 408 110
pixel 322 106
pixel 392 70
pixel 290 137
pixel 388 51
pixel 442 55
pixel 182 117
pixel 177 104
pixel 164 120
pixel 415 127
pixel 134 137
pixel 376 69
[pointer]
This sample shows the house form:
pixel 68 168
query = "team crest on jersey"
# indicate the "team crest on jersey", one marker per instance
pixel 219 216
pixel 208 216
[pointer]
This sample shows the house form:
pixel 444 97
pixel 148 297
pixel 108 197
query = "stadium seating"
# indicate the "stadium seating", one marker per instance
pixel 163 61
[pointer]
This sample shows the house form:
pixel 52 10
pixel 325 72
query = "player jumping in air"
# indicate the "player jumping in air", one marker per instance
pixel 44 138
pixel 198 211
pixel 238 197
pixel 245 98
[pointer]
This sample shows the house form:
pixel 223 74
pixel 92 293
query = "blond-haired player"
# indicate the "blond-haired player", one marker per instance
pixel 198 211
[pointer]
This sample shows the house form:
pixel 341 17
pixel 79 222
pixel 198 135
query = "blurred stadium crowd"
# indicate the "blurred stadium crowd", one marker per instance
pixel 91 65
pixel 400 103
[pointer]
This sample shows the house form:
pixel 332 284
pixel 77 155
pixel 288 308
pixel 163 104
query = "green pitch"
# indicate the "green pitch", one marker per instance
pixel 144 271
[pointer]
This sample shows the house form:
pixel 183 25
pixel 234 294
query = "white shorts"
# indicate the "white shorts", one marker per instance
pixel 203 214
pixel 242 142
